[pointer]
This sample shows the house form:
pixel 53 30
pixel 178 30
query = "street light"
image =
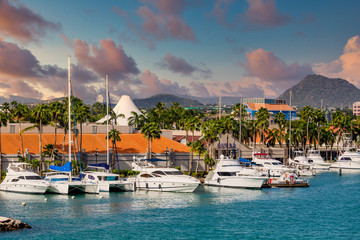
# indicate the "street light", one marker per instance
pixel 96 155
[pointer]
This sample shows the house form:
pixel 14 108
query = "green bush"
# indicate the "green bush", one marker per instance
pixel 177 167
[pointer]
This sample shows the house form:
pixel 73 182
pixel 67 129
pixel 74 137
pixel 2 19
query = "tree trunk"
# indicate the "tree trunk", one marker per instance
pixel 53 150
pixel 197 164
pixel 191 153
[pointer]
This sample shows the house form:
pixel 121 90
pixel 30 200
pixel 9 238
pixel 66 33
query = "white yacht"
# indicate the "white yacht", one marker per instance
pixel 229 173
pixel 107 181
pixel 348 161
pixel 301 165
pixel 20 179
pixel 163 179
pixel 61 181
pixel 317 160
pixel 270 166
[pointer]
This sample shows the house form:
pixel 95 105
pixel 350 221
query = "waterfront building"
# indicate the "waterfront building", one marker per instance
pixel 356 108
pixel 274 106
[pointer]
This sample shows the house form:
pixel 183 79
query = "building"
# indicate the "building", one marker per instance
pixel 356 108
pixel 274 106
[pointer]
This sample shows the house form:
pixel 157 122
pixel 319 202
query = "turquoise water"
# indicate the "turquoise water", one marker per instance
pixel 328 209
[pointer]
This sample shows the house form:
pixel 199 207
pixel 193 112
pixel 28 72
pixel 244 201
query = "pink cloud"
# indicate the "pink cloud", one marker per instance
pixel 108 58
pixel 21 23
pixel 268 67
pixel 168 22
pixel 347 66
pixel 151 85
pixel 263 13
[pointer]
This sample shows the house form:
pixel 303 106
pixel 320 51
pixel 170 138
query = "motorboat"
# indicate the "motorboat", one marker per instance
pixel 301 165
pixel 229 173
pixel 318 161
pixel 163 179
pixel 107 181
pixel 60 181
pixel 346 163
pixel 270 166
pixel 287 179
pixel 20 179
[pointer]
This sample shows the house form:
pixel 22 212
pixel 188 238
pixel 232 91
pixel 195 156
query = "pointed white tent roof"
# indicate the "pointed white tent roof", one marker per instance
pixel 124 106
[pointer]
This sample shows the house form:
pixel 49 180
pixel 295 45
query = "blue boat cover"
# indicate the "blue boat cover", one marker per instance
pixel 155 160
pixel 102 165
pixel 65 168
pixel 244 160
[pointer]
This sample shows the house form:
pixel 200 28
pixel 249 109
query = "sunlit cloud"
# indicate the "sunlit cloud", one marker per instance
pixel 21 23
pixel 347 66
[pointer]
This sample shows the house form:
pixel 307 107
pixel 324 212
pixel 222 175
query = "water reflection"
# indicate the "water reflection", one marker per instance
pixel 222 195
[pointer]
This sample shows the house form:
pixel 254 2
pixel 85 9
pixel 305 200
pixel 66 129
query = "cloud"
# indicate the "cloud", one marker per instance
pixel 347 66
pixel 168 22
pixel 21 74
pixel 180 65
pixel 263 14
pixel 221 8
pixel 21 23
pixel 246 87
pixel 269 68
pixel 106 59
pixel 150 85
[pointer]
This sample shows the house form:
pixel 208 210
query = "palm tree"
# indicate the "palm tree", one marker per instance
pixel 114 136
pixel 82 113
pixel 39 116
pixel 199 148
pixel 135 120
pixel 20 111
pixel 6 110
pixel 3 123
pixel 56 111
pixel 209 134
pixel 150 131
pixel 191 124
pixel 280 120
pixel 262 123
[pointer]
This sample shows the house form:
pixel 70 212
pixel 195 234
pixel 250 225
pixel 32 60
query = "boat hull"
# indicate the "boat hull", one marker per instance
pixel 163 186
pixel 237 182
pixel 24 188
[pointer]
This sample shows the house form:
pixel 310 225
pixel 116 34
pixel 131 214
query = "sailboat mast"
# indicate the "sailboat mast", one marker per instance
pixel 107 118
pixel 290 127
pixel 69 108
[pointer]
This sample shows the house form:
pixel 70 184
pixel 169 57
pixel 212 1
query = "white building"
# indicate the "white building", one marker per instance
pixel 356 108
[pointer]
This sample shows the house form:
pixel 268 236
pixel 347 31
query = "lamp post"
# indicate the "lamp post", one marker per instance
pixel 96 155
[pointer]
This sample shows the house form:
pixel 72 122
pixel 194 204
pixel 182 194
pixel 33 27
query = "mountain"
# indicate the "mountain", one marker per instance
pixel 333 92
pixel 165 98
pixel 19 99
pixel 215 100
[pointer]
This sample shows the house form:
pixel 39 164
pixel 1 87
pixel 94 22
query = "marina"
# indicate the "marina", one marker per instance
pixel 208 213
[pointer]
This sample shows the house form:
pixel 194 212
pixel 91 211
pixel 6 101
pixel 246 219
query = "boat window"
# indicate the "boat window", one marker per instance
pixel 158 172
pixel 267 163
pixel 173 173
pixel 15 180
pixel 310 161
pixel 346 159
pixel 227 173
pixel 111 178
pixel 21 177
pixel 91 177
pixel 146 175
pixel 33 178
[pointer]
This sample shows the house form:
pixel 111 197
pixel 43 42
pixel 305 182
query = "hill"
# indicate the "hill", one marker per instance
pixel 165 98
pixel 333 92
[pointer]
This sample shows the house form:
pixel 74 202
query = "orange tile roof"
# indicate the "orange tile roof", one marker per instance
pixel 270 107
pixel 130 143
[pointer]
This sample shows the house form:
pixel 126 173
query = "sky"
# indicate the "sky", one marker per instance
pixel 203 48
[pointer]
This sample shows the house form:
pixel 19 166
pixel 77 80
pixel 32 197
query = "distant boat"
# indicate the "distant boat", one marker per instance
pixel 229 173
pixel 19 179
pixel 271 166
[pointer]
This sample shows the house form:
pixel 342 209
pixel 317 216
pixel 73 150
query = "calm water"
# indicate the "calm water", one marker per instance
pixel 328 209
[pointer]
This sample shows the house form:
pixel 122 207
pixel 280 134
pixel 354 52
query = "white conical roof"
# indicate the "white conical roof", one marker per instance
pixel 124 106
